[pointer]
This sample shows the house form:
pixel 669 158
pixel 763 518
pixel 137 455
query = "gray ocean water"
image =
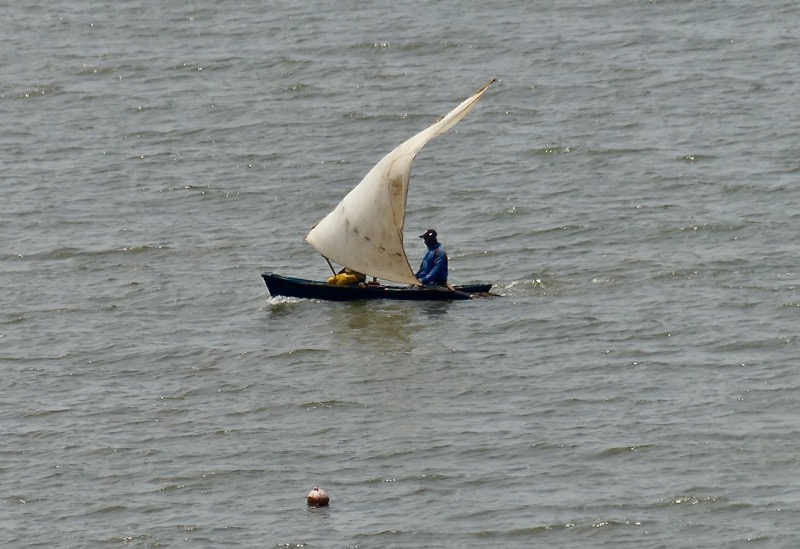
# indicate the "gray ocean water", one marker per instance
pixel 629 184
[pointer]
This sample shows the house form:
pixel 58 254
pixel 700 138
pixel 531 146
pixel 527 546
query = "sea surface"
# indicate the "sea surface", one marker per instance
pixel 630 184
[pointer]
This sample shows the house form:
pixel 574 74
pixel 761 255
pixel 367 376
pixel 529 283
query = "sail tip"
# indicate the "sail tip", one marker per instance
pixel 483 89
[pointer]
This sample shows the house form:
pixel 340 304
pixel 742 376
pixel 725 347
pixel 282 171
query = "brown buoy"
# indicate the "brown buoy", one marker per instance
pixel 317 498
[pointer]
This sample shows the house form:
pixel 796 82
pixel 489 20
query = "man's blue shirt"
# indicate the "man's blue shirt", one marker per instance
pixel 433 269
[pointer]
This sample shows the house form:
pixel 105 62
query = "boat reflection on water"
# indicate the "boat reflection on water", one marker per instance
pixel 436 308
pixel 371 322
pixel 389 325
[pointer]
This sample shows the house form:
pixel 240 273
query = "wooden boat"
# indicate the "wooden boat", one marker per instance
pixel 309 289
pixel 365 231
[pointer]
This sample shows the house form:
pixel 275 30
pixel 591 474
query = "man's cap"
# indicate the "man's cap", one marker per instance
pixel 430 233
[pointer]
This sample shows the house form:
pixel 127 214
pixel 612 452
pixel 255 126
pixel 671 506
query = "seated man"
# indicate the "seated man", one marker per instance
pixel 433 269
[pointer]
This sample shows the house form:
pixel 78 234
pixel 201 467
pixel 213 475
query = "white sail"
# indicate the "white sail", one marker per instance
pixel 365 231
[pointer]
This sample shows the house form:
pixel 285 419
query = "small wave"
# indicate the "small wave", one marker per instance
pixel 692 158
pixel 528 282
pixel 108 509
pixel 88 70
pixel 409 478
pixel 279 302
pixel 621 151
pixel 38 91
pixel 133 249
pixel 383 117
pixel 687 499
pixel 192 188
pixel 316 404
pixel 68 252
pixel 549 151
pixel 525 287
pixel 697 228
pixel 623 450
pixel 19 499
pixel 44 413
pixel 171 488
pixel 298 87
pixel 547 528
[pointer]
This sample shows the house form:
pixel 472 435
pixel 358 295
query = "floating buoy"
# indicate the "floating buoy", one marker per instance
pixel 317 498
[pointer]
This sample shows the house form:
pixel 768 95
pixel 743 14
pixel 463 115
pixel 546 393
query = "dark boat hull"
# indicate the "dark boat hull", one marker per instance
pixel 309 289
